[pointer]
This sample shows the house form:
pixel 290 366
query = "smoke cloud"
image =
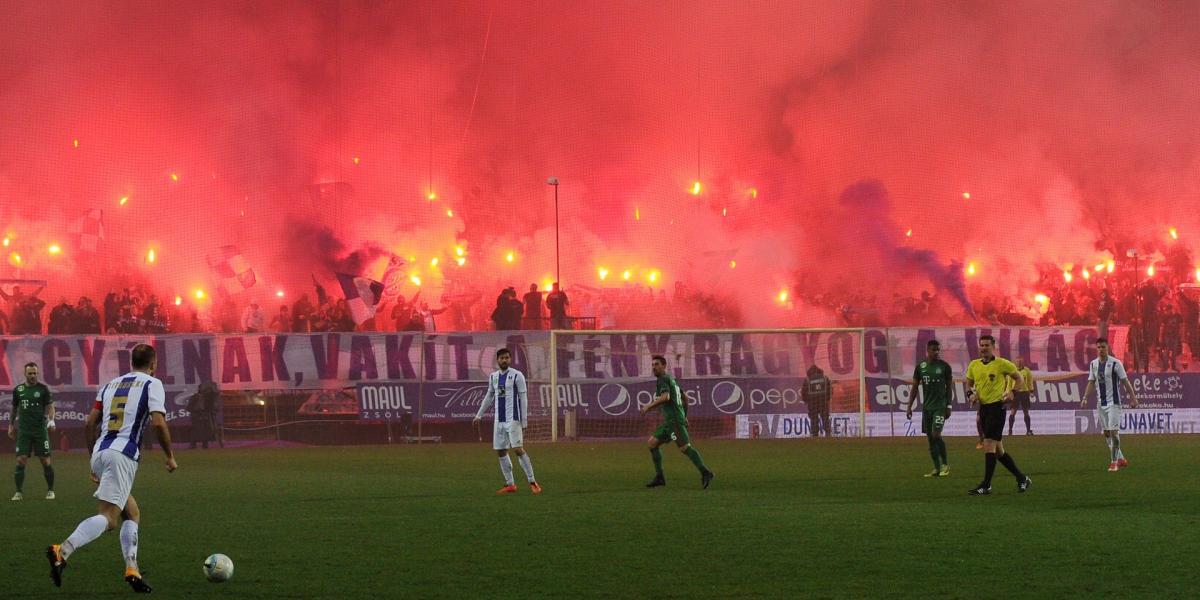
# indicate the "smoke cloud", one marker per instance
pixel 1015 137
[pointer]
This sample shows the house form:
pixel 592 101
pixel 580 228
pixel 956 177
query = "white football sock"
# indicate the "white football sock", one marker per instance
pixel 88 530
pixel 527 467
pixel 129 543
pixel 506 469
pixel 1117 446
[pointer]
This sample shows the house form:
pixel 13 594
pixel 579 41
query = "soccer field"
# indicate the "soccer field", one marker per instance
pixel 827 518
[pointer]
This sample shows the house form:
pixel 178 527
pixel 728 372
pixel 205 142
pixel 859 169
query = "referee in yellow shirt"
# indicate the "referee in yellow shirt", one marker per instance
pixel 990 381
pixel 1021 396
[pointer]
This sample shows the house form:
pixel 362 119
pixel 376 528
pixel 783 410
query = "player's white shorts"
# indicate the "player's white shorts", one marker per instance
pixel 507 436
pixel 1109 417
pixel 115 472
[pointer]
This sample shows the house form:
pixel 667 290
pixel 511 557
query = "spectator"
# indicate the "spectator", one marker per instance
pixel 1104 310
pixel 3 323
pixel 302 313
pixel 112 310
pixel 203 408
pixel 1149 296
pixel 343 320
pixel 253 319
pixel 557 302
pixel 227 318
pixel 62 319
pixel 533 308
pixel 154 318
pixel 87 319
pixel 1189 309
pixel 504 316
pixel 817 391
pixel 282 321
pixel 1172 331
pixel 31 314
pixel 401 314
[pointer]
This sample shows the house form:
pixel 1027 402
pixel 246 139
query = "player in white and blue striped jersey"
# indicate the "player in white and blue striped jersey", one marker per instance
pixel 508 391
pixel 1106 375
pixel 122 408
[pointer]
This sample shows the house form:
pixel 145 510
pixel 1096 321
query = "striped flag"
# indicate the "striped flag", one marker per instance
pixel 393 278
pixel 232 269
pixel 89 230
pixel 362 296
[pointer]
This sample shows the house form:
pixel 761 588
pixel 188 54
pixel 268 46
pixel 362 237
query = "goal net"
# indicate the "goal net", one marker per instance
pixel 769 383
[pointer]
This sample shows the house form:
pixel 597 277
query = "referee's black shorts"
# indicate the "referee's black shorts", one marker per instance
pixel 992 417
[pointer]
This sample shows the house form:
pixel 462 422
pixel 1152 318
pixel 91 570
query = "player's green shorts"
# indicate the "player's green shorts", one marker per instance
pixel 37 444
pixel 673 431
pixel 933 420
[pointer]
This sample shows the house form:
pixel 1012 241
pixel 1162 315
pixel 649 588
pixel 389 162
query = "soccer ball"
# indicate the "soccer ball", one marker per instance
pixel 218 568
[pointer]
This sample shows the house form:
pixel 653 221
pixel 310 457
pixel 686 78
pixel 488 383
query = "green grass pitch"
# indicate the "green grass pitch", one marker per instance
pixel 814 519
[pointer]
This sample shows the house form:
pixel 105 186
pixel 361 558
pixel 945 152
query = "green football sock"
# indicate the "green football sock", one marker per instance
pixel 942 450
pixel 696 460
pixel 19 477
pixel 935 453
pixel 656 454
pixel 48 471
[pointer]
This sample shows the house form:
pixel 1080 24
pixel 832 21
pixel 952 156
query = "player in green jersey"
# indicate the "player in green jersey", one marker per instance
pixel 936 379
pixel 31 423
pixel 674 426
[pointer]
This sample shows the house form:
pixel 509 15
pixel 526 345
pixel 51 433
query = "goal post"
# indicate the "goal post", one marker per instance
pixel 738 383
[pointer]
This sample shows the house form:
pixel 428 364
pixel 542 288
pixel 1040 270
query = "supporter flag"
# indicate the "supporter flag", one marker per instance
pixel 89 230
pixel 232 269
pixel 393 279
pixel 362 296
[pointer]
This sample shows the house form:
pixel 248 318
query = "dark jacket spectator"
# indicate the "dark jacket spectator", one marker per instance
pixel 533 308
pixel 557 302
pixel 87 318
pixel 62 319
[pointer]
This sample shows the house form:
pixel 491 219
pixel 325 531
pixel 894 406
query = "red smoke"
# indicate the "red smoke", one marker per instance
pixel 1072 127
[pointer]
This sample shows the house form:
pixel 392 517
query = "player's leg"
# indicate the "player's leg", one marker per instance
pixel 934 453
pixel 1026 400
pixel 19 472
pixel 684 441
pixel 1012 417
pixel 939 423
pixel 131 516
pixel 826 422
pixel 527 467
pixel 979 427
pixel 660 436
pixel 48 473
pixel 991 419
pixel 501 444
pixel 1006 459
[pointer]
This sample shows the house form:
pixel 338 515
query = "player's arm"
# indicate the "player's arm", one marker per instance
pixel 1012 379
pixel 971 396
pixel 663 398
pixel 1127 385
pixel 522 397
pixel 949 392
pixel 488 398
pixel 49 412
pixel 159 420
pixel 1091 387
pixel 912 397
pixel 158 417
pixel 12 417
pixel 90 426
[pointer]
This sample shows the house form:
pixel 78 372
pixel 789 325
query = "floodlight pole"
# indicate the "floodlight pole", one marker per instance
pixel 557 263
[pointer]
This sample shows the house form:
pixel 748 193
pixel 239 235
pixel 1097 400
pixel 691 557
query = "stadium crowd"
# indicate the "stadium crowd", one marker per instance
pixel 1162 311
